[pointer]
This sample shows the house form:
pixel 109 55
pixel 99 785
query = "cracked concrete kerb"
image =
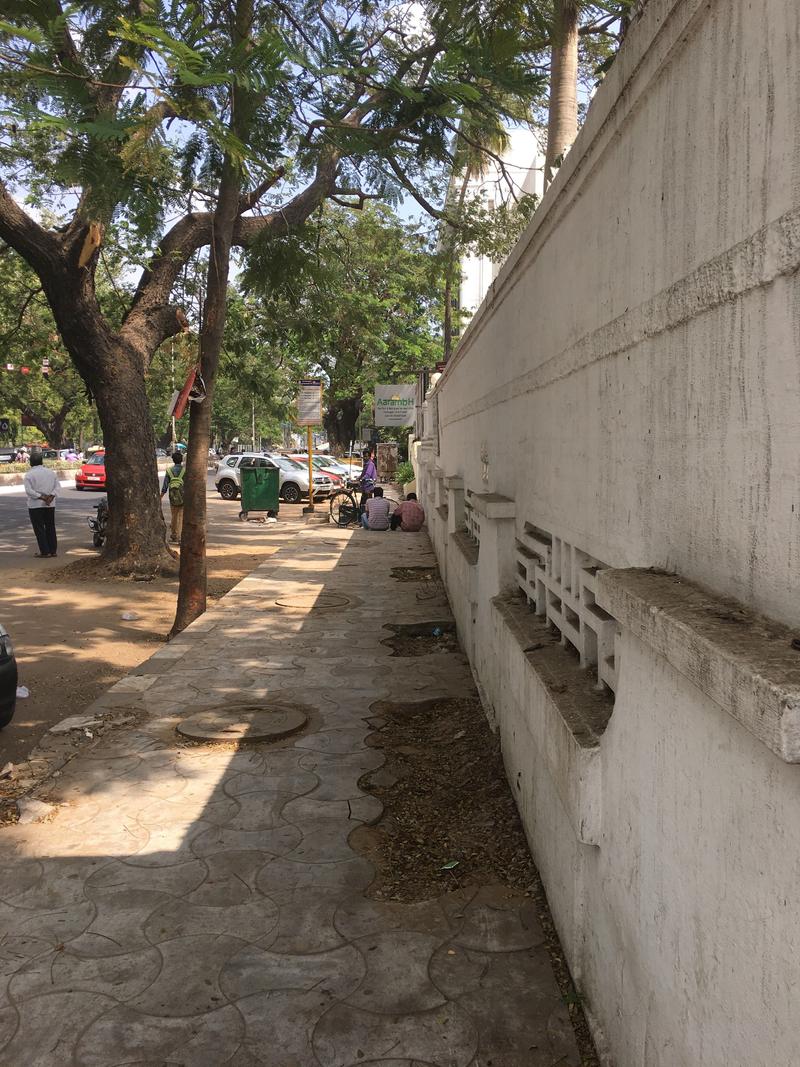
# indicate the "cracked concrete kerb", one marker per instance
pixel 201 905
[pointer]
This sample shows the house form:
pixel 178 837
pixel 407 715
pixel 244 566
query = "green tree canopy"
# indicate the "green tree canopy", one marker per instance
pixel 37 377
pixel 358 304
pixel 123 117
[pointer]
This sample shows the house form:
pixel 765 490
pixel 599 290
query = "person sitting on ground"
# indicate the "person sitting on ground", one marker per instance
pixel 376 511
pixel 173 484
pixel 410 516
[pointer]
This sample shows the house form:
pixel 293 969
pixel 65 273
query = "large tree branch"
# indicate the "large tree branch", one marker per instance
pixel 37 246
pixel 151 318
pixel 603 25
pixel 68 52
pixel 189 233
pixel 249 200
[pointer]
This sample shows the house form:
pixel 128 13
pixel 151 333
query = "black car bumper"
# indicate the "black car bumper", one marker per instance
pixel 8 687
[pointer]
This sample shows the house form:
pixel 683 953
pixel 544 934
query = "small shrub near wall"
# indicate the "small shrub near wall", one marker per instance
pixel 404 473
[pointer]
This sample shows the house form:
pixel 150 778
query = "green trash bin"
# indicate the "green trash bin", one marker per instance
pixel 260 487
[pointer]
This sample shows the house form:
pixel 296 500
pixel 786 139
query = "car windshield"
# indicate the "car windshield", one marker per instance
pixel 96 461
pixel 285 463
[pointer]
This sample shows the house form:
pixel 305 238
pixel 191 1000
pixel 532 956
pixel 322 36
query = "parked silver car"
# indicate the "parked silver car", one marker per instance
pixel 293 476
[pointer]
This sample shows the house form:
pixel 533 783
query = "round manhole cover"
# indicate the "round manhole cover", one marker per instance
pixel 313 601
pixel 244 722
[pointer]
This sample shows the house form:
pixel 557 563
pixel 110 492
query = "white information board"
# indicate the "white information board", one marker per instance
pixel 309 402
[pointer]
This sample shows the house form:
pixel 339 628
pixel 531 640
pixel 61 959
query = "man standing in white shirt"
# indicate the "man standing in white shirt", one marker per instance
pixel 41 488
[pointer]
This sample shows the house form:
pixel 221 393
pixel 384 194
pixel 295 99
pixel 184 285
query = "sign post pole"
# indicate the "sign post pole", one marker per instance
pixel 309 414
pixel 310 469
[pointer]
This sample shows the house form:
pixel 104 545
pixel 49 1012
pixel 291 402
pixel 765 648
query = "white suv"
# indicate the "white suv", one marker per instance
pixel 293 476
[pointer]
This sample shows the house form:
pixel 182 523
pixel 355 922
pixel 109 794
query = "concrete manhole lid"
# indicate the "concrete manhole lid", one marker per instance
pixel 313 601
pixel 244 722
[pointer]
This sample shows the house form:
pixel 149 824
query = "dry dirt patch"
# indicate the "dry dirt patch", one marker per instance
pixel 450 820
pixel 415 574
pixel 72 642
pixel 422 638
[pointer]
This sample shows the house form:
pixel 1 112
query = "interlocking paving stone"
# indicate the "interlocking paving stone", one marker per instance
pixel 126 1036
pixel 230 878
pixel 253 920
pixel 445 1035
pixel 176 879
pixel 200 905
pixel 397 980
pixel 255 970
pixel 126 974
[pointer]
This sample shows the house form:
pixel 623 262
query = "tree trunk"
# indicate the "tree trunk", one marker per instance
pixel 51 429
pixel 113 368
pixel 192 590
pixel 562 119
pixel 448 308
pixel 340 422
pixel 453 266
pixel 136 540
pixel 57 430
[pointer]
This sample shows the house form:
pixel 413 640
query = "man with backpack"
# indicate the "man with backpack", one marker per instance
pixel 173 484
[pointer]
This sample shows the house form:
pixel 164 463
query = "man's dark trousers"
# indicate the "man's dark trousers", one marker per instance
pixel 43 521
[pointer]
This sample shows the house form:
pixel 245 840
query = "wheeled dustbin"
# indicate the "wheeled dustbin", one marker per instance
pixel 260 488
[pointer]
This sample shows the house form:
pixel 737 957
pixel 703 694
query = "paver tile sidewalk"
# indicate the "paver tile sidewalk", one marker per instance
pixel 201 905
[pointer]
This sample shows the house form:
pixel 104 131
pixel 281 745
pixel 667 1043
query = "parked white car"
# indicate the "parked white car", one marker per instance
pixel 325 465
pixel 293 476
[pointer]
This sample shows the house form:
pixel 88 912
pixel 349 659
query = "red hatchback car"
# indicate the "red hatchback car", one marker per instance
pixel 92 474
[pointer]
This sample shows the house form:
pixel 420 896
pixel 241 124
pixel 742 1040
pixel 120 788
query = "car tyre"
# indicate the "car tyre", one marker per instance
pixel 291 493
pixel 228 489
pixel 7 715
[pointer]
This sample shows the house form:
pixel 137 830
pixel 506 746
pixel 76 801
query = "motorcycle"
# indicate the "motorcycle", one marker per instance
pixel 98 523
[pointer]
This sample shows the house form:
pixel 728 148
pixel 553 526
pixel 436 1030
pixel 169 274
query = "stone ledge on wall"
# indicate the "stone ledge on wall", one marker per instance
pixel 493 505
pixel 561 706
pixel 742 661
pixel 584 707
pixel 466 546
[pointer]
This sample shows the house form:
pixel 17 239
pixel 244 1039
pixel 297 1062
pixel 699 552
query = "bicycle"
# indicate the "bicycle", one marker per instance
pixel 345 510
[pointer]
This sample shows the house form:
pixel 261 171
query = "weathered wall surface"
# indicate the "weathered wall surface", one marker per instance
pixel 628 396
pixel 634 373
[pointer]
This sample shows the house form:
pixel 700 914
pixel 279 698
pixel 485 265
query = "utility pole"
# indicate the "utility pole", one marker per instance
pixel 253 410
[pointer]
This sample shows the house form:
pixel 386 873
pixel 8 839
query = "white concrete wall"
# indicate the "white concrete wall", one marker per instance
pixel 632 385
pixel 693 940
pixel 635 369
